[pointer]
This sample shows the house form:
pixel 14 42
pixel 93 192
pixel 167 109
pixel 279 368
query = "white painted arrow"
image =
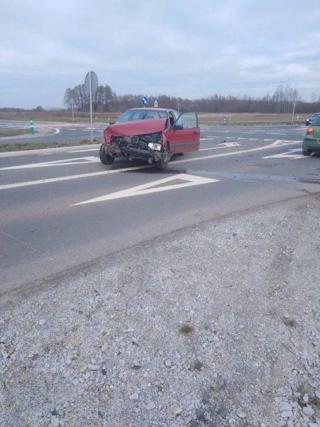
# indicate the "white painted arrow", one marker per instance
pixel 153 187
pixel 64 162
pixel 292 155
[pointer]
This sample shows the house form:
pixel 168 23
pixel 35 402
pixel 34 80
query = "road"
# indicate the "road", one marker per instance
pixel 62 209
pixel 49 132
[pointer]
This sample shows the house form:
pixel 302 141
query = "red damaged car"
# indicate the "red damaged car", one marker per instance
pixel 151 134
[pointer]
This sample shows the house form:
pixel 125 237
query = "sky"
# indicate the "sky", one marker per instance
pixel 180 48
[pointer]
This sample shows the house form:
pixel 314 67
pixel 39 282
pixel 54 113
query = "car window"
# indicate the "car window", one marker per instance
pixel 187 120
pixel 130 115
pixel 316 121
pixel 138 115
pixel 152 115
pixel 125 117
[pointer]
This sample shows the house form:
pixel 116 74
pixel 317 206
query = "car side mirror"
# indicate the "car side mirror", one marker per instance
pixel 112 123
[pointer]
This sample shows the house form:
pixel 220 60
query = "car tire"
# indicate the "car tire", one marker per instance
pixel 306 152
pixel 105 158
pixel 163 162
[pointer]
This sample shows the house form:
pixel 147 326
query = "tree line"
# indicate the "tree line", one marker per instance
pixel 283 100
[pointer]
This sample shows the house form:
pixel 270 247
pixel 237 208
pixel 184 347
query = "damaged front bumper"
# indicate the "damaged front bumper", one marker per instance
pixel 143 147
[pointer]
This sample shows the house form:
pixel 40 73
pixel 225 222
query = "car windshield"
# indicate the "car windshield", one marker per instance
pixel 132 115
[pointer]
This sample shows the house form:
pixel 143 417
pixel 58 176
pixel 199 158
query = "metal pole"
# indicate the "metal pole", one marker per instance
pixel 293 110
pixel 90 90
pixel 72 111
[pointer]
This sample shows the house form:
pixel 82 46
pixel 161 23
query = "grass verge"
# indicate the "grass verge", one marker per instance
pixel 38 145
pixel 13 132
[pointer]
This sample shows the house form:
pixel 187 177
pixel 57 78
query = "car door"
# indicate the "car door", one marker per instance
pixel 184 135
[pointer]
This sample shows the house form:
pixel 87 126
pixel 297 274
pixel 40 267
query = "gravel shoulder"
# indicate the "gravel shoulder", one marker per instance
pixel 214 325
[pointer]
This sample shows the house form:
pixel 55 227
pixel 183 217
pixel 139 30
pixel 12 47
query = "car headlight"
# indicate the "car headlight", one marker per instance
pixel 154 146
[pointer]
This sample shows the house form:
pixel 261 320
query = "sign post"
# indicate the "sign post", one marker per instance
pixel 293 110
pixel 91 85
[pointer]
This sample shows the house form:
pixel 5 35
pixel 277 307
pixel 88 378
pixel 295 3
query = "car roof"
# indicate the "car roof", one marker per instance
pixel 153 109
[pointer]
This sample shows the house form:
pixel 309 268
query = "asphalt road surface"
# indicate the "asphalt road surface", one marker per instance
pixel 62 209
pixel 75 133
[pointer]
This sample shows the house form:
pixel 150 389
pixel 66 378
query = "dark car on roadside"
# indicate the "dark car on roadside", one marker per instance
pixel 311 141
pixel 150 134
pixel 312 118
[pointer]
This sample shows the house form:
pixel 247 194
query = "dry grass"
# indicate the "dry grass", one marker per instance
pixel 12 132
pixel 205 118
pixel 56 116
pixel 249 118
pixel 36 145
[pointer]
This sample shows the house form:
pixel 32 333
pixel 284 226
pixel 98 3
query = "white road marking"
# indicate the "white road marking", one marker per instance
pixel 150 187
pixel 287 155
pixel 229 144
pixel 43 151
pixel 88 175
pixel 221 145
pixel 84 151
pixel 64 162
pixel 234 153
pixel 281 142
pixel 68 178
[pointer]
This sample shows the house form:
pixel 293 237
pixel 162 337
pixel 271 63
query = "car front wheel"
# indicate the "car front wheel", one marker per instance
pixel 163 162
pixel 105 158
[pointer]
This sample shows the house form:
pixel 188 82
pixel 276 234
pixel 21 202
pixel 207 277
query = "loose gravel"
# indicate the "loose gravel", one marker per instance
pixel 214 325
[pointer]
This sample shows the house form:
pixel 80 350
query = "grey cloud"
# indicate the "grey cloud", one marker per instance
pixel 181 48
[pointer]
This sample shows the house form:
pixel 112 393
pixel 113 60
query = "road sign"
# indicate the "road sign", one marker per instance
pixel 144 100
pixel 156 103
pixel 91 85
pixel 91 80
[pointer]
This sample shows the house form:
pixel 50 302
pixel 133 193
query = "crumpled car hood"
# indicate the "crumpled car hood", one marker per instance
pixel 139 127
